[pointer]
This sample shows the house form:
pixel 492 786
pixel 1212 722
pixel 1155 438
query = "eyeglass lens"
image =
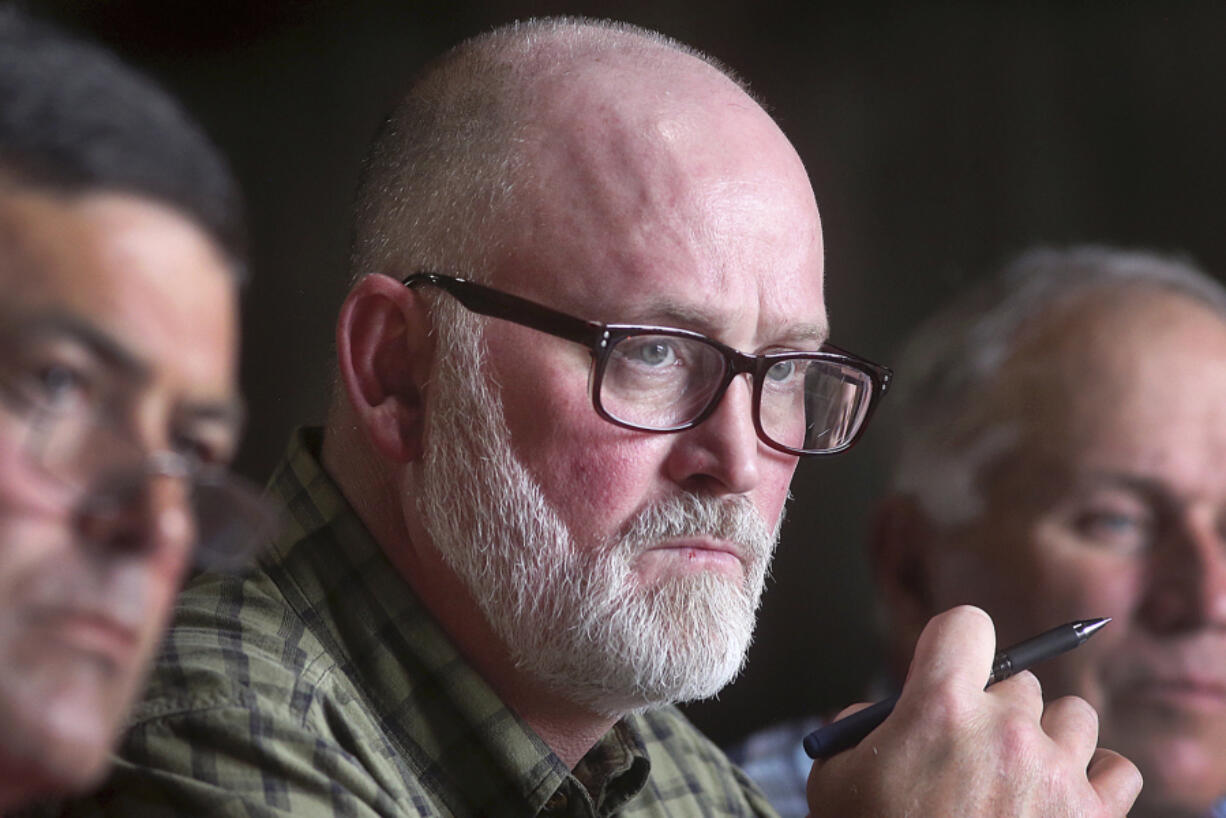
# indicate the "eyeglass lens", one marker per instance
pixel 88 454
pixel 662 382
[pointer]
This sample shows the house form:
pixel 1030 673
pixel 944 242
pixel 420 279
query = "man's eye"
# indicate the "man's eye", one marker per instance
pixel 197 450
pixel 1115 529
pixel 55 388
pixel 781 371
pixel 654 353
pixel 205 445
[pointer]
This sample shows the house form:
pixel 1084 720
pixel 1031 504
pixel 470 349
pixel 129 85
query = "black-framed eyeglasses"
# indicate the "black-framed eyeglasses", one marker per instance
pixel 664 379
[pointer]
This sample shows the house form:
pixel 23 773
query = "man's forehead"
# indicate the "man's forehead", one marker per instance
pixel 643 202
pixel 631 113
pixel 1107 339
pixel 1132 381
pixel 135 284
pixel 655 190
pixel 794 318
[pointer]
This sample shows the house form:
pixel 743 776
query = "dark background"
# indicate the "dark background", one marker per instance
pixel 940 137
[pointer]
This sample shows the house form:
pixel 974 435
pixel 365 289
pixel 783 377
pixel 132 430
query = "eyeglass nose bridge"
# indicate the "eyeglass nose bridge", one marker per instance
pixel 228 518
pixel 125 510
pixel 107 484
pixel 735 363
pixel 117 487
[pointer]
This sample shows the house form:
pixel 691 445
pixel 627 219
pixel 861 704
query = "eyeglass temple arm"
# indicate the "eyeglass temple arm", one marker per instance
pixel 883 374
pixel 497 304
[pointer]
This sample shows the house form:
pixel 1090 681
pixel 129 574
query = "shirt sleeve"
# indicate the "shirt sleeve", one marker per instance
pixel 232 761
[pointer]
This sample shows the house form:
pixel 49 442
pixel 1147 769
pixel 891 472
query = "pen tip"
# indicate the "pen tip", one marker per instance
pixel 1091 625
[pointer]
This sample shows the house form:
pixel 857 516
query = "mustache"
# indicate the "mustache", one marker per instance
pixel 734 520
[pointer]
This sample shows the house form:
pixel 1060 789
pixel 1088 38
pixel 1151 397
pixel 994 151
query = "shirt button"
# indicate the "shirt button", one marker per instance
pixel 556 803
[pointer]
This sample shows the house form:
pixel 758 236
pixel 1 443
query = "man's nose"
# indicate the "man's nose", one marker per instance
pixel 1187 589
pixel 143 512
pixel 720 454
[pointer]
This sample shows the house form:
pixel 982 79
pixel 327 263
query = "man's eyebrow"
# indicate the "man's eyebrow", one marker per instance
pixel 672 314
pixel 229 412
pixel 58 323
pixel 1129 481
pixel 817 332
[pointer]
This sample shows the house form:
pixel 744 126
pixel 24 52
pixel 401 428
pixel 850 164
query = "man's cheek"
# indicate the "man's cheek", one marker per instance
pixel 600 482
pixel 772 499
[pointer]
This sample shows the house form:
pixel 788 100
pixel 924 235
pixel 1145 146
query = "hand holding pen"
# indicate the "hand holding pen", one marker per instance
pixel 953 748
pixel 850 730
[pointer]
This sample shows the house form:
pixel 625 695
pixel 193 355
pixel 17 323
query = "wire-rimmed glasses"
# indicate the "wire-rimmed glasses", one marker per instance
pixel 664 379
pixel 86 447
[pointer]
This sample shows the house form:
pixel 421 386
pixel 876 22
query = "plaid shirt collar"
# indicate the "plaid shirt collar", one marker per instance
pixel 474 752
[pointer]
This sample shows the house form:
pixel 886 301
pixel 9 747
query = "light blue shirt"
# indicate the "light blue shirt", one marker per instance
pixel 776 761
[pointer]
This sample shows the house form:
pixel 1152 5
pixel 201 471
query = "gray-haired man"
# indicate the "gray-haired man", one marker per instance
pixel 1061 431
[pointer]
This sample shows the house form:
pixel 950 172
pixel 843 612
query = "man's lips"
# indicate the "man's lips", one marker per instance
pixel 698 554
pixel 88 632
pixel 1196 693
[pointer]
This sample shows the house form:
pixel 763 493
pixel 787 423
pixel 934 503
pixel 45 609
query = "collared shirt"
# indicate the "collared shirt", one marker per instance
pixel 318 685
pixel 776 760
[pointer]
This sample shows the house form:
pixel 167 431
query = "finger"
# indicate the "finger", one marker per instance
pixel 851 708
pixel 812 784
pixel 956 649
pixel 1116 780
pixel 1022 691
pixel 1073 724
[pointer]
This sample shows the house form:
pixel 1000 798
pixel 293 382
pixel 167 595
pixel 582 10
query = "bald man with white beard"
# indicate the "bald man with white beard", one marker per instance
pixel 585 345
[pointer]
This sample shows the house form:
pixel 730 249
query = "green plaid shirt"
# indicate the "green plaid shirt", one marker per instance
pixel 318 685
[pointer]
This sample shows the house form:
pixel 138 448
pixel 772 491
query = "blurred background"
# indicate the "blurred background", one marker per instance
pixel 941 138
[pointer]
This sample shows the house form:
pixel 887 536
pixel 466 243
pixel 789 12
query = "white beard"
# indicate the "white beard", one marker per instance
pixel 575 617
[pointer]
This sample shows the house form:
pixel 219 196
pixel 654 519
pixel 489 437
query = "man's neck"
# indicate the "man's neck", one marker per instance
pixel 568 729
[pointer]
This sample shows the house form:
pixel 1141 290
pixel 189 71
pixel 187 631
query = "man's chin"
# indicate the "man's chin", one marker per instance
pixel 680 652
pixel 616 703
pixel 1166 804
pixel 1183 776
pixel 63 742
pixel 59 766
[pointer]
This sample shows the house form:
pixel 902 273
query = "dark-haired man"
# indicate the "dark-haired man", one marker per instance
pixel 120 256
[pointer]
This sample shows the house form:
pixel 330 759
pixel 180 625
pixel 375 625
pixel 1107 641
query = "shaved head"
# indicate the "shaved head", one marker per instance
pixel 455 154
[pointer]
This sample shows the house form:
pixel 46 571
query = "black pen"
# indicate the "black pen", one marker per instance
pixel 848 732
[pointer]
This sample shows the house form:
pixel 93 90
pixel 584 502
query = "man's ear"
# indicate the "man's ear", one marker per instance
pixel 902 540
pixel 385 349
